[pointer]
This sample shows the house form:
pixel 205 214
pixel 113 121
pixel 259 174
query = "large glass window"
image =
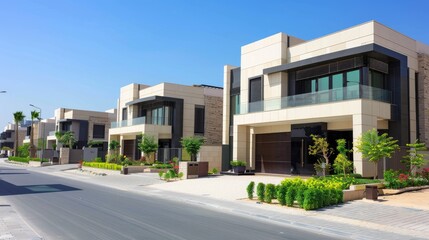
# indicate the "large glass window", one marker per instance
pixel 377 79
pixel 337 86
pixel 98 131
pixel 199 119
pixel 353 77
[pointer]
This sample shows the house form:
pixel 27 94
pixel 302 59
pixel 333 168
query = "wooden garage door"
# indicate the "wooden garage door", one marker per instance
pixel 273 153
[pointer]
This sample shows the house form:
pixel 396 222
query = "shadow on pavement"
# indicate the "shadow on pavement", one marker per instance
pixel 7 188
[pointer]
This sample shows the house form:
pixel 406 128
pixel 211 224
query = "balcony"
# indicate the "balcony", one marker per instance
pixel 141 120
pixel 332 95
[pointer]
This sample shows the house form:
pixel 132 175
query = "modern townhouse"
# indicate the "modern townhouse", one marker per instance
pixel 169 112
pixel 87 126
pixel 8 136
pixel 338 86
pixel 41 130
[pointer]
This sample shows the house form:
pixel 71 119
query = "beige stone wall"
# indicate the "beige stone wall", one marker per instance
pixel 213 123
pixel 213 155
pixel 423 97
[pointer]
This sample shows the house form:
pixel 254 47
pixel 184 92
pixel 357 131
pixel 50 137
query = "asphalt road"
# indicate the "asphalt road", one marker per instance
pixel 60 208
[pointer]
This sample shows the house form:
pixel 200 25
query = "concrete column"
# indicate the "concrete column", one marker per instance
pixel 252 146
pixel 361 124
pixel 240 143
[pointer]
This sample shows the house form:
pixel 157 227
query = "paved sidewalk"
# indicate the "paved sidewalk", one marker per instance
pixel 356 220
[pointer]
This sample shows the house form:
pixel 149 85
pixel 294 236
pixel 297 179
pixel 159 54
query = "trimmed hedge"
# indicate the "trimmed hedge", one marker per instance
pixel 311 194
pixel 103 165
pixel 26 159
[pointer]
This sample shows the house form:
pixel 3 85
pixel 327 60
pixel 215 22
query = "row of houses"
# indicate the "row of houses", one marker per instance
pixel 285 89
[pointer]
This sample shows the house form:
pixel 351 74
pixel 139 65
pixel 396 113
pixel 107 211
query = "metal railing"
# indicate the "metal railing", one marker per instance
pixel 332 95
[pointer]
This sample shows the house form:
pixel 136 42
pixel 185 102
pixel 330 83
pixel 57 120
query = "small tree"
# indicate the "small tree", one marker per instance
pixel 17 117
pixel 192 145
pixel 342 163
pixel 375 147
pixel 148 145
pixel 34 115
pixel 67 139
pixel 113 156
pixel 415 159
pixel 320 147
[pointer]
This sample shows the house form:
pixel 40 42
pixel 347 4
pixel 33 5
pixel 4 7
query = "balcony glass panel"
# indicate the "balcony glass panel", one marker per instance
pixel 333 95
pixel 141 120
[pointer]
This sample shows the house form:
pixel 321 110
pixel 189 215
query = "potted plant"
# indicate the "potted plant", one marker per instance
pixel 238 166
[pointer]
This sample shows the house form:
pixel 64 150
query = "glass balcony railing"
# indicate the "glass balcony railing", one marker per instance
pixel 140 121
pixel 333 95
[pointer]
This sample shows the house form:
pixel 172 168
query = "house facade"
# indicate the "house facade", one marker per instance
pixel 169 112
pixel 41 131
pixel 87 126
pixel 337 86
pixel 8 136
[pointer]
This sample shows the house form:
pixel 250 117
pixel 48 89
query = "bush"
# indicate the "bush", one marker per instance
pixel 24 150
pixel 162 165
pixel 270 192
pixel 98 159
pixel 26 159
pixel 237 163
pixel 180 175
pixel 250 189
pixel 260 191
pixel 311 199
pixel 300 195
pixel 281 194
pixel 102 165
pixel 290 196
pixel 215 171
pixel 160 173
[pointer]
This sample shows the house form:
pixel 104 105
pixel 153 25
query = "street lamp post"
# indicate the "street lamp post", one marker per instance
pixel 43 131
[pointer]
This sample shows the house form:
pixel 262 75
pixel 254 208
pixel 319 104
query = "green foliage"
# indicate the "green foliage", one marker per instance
pixel 320 147
pixel 341 162
pixel 215 171
pixel 375 147
pixel 311 199
pixel 281 194
pixel 192 145
pixel 237 163
pixel 250 189
pixel 102 165
pixel 148 145
pixel 24 150
pixel 114 145
pixel 98 159
pixel 162 165
pixel 26 159
pixel 260 191
pixel 300 195
pixel 291 195
pixel 66 138
pixel 167 176
pixel 17 118
pixel 160 173
pixel 5 148
pixel 93 143
pixel 414 160
pixel 270 192
pixel 180 175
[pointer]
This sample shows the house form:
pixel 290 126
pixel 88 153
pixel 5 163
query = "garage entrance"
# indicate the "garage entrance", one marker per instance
pixel 272 153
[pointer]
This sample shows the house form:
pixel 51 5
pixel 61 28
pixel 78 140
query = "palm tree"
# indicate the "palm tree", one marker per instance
pixel 34 115
pixel 17 117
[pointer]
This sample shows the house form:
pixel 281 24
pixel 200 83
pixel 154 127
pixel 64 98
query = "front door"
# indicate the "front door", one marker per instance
pixel 272 153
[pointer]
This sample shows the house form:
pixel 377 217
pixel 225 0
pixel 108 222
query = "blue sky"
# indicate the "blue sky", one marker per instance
pixel 77 54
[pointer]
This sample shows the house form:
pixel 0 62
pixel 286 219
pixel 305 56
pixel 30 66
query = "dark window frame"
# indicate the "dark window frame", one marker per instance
pixel 261 78
pixel 199 124
pixel 96 131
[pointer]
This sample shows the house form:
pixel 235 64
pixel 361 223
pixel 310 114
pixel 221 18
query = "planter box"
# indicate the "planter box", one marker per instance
pixel 133 169
pixel 239 169
pixel 35 163
pixel 155 170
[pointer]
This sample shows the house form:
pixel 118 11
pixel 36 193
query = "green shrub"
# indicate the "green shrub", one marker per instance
pixel 180 175
pixel 311 199
pixel 103 165
pixel 162 165
pixel 167 176
pixel 237 163
pixel 215 171
pixel 270 192
pixel 98 159
pixel 250 189
pixel 26 159
pixel 160 173
pixel 260 191
pixel 291 195
pixel 172 173
pixel 24 150
pixel 300 195
pixel 281 194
